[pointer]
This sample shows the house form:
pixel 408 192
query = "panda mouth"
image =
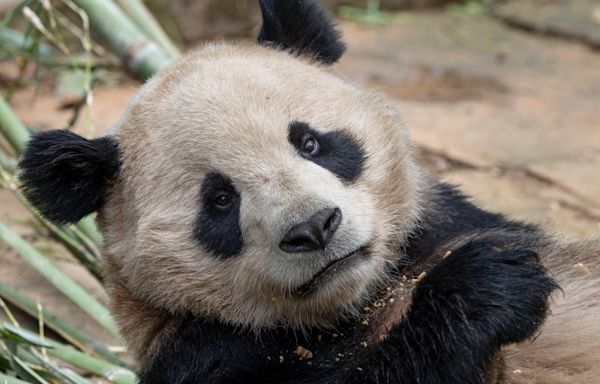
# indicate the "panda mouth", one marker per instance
pixel 329 270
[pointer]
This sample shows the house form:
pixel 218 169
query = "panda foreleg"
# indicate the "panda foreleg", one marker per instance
pixel 466 307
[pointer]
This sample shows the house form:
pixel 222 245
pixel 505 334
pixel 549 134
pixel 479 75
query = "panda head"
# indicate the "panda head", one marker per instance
pixel 244 183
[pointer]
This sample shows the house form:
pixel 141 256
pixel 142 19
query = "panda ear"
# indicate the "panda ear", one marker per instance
pixel 65 175
pixel 302 27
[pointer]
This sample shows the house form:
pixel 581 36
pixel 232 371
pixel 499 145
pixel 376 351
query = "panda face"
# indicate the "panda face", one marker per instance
pixel 259 189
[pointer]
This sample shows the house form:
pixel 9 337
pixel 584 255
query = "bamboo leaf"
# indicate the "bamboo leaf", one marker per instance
pixel 26 371
pixel 64 329
pixel 110 372
pixel 64 374
pixel 16 334
pixel 5 379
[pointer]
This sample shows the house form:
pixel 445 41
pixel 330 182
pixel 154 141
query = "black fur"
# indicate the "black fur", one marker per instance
pixel 489 291
pixel 340 153
pixel 65 175
pixel 473 302
pixel 451 215
pixel 301 27
pixel 219 230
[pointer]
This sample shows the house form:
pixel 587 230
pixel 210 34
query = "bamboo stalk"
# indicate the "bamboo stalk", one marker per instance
pixel 86 253
pixel 61 281
pixel 7 164
pixel 5 379
pixel 139 54
pixel 88 227
pixel 142 17
pixel 11 127
pixel 110 372
pixel 61 327
pixel 17 135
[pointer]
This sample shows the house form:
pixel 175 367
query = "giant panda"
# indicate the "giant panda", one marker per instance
pixel 265 221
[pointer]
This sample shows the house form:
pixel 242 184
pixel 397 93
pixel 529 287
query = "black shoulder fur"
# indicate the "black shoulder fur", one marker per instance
pixel 302 27
pixel 64 175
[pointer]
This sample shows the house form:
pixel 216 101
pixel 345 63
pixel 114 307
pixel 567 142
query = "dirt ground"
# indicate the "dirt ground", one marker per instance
pixel 511 116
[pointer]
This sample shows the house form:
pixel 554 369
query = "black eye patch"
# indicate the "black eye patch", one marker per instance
pixel 217 227
pixel 338 151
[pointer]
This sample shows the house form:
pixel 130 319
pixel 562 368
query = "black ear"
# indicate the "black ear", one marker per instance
pixel 302 27
pixel 64 175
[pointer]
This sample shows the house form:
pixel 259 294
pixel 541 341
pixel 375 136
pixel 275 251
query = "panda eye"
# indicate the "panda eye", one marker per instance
pixel 310 145
pixel 223 200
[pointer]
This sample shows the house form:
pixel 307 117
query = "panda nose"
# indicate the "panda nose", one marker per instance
pixel 313 234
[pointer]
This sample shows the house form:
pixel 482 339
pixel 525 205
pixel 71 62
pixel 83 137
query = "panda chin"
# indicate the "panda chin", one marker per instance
pixel 339 265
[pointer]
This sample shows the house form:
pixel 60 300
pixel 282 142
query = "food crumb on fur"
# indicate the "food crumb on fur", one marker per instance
pixel 303 352
pixel 583 269
pixel 419 278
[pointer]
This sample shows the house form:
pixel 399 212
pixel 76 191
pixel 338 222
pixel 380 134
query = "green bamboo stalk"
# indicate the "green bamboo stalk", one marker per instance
pixel 7 164
pixel 139 54
pixel 88 227
pixel 61 281
pixel 61 327
pixel 81 248
pixel 144 19
pixel 17 135
pixel 5 379
pixel 110 372
pixel 11 127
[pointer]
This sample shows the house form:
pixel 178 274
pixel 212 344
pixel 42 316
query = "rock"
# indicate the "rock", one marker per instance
pixel 577 20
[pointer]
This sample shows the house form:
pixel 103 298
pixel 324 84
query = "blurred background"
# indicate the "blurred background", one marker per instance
pixel 501 97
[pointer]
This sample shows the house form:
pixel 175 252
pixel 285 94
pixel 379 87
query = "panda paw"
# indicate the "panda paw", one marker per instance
pixel 499 295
